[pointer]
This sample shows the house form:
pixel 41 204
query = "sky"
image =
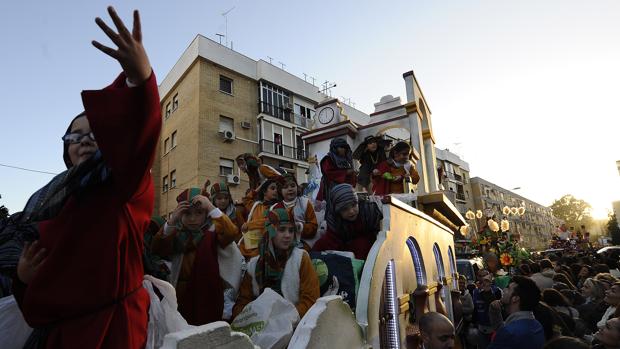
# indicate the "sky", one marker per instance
pixel 525 91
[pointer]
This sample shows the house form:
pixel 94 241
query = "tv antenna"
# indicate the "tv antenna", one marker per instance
pixel 282 65
pixel 225 14
pixel 327 87
pixel 220 36
pixel 270 59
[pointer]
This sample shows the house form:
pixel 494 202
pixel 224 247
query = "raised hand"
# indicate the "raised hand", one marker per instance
pixel 178 212
pixel 29 262
pixel 130 53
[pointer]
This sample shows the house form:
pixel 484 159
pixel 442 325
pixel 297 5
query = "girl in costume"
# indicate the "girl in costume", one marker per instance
pixel 370 154
pixel 199 239
pixel 336 168
pixel 352 225
pixel 254 229
pixel 302 208
pixel 280 266
pixel 392 174
pixel 221 197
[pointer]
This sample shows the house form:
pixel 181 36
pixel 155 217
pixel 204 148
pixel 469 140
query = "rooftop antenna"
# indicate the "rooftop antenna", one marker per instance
pixel 220 35
pixel 327 87
pixel 270 60
pixel 282 64
pixel 313 84
pixel 225 14
pixel 305 77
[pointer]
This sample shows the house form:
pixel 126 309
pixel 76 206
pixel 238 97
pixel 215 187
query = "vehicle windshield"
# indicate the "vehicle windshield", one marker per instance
pixel 464 268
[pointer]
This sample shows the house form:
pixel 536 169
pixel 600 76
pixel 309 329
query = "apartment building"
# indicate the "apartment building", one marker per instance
pixel 218 103
pixel 455 179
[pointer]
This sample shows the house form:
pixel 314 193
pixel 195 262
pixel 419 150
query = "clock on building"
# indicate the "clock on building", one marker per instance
pixel 326 115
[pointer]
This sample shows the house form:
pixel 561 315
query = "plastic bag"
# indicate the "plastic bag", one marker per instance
pixel 164 317
pixel 269 320
pixel 14 331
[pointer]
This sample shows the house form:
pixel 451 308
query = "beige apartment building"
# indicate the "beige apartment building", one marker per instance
pixel 535 226
pixel 455 180
pixel 216 104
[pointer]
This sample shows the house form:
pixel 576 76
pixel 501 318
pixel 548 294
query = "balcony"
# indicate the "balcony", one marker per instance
pixel 285 114
pixel 460 196
pixel 286 151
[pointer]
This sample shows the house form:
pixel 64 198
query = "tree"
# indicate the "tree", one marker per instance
pixel 613 229
pixel 574 212
pixel 4 212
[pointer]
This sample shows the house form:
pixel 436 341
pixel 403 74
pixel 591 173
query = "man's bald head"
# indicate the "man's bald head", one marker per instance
pixel 437 331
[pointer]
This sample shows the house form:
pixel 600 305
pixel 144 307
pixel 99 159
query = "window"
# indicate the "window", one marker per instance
pixel 226 84
pixel 173 140
pixel 226 167
pixel 418 262
pixel 166 144
pixel 167 115
pixel 275 101
pixel 164 184
pixel 173 179
pixel 226 124
pixel 277 140
pixel 455 284
pixel 175 102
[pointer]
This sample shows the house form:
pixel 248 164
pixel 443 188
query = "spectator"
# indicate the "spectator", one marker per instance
pixel 561 277
pixel 525 270
pixel 594 307
pixel 466 300
pixel 483 297
pixel 607 280
pixel 612 298
pixel 601 268
pixel 564 342
pixel 544 279
pixel 521 329
pixel 609 335
pixel 584 273
pixel 555 299
pixel 437 331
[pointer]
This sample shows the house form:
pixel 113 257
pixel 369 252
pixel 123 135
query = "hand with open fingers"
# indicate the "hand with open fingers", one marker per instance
pixel 178 212
pixel 203 202
pixel 29 262
pixel 130 53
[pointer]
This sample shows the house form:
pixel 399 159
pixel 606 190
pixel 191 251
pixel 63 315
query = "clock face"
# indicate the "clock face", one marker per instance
pixel 326 115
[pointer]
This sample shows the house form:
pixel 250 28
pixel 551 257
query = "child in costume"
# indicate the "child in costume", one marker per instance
pixel 221 197
pixel 394 173
pixel 280 266
pixel 336 168
pixel 370 154
pixel 206 263
pixel 254 229
pixel 352 225
pixel 302 208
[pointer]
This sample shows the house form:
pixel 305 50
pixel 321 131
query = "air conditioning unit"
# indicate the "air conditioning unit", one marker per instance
pixel 233 179
pixel 246 124
pixel 228 136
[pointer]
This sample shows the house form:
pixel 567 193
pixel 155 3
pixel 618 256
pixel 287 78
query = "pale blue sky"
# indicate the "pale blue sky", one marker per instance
pixel 528 88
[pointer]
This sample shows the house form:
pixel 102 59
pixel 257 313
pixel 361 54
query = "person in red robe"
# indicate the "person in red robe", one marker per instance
pixel 80 284
pixel 392 175
pixel 336 168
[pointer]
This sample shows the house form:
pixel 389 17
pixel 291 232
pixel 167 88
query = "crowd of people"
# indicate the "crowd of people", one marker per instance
pixel 569 300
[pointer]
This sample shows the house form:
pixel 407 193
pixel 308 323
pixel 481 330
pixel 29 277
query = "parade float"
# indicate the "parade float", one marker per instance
pixel 410 268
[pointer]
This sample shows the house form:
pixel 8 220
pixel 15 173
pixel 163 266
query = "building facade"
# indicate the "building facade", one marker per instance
pixel 217 104
pixel 535 226
pixel 455 179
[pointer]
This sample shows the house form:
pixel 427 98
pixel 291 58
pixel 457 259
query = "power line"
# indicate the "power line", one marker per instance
pixel 27 169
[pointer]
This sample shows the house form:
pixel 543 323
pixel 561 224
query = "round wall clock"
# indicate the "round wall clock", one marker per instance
pixel 326 115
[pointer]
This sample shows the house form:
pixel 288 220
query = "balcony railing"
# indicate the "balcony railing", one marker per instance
pixel 270 147
pixel 460 196
pixel 285 114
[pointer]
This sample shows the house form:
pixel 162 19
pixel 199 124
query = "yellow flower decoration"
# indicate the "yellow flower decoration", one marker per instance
pixel 464 230
pixel 505 259
pixel 506 210
pixel 505 225
pixel 470 215
pixel 514 211
pixel 478 214
pixel 521 211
